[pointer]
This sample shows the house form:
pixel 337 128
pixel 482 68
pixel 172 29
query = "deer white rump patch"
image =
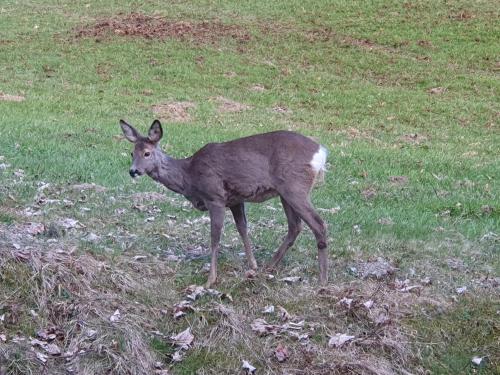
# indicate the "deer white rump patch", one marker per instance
pixel 318 160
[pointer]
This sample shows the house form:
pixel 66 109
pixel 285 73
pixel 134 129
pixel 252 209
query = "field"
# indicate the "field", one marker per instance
pixel 102 274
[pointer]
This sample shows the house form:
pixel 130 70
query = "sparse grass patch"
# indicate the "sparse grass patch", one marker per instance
pixel 448 341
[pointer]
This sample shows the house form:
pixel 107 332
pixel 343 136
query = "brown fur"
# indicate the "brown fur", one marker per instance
pixel 250 169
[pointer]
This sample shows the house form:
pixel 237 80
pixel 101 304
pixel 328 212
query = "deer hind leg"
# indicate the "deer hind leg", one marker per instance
pixel 240 220
pixel 216 224
pixel 302 206
pixel 294 228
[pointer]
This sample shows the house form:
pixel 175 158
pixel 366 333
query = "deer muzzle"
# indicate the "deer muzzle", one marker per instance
pixel 134 173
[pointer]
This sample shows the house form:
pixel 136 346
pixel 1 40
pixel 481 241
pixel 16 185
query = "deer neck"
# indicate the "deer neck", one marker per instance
pixel 171 173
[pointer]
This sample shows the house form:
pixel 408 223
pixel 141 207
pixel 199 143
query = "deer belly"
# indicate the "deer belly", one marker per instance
pixel 262 195
pixel 255 195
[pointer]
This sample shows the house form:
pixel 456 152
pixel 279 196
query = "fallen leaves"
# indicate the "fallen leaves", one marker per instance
pixel 436 90
pixel 377 269
pixel 183 340
pixel 291 279
pixel 246 366
pixel 339 339
pixel 69 223
pixel 35 228
pixel 115 317
pixel 263 328
pixel 281 353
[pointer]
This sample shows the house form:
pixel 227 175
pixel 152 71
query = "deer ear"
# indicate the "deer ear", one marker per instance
pixel 155 132
pixel 129 132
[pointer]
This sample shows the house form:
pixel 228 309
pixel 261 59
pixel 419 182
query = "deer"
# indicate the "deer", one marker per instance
pixel 228 174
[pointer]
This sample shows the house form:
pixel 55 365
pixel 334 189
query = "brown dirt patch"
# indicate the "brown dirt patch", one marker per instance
pixel 174 111
pixel 11 98
pixel 228 105
pixel 157 27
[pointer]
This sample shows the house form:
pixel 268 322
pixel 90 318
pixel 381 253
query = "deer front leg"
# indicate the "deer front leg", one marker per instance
pixel 216 224
pixel 240 220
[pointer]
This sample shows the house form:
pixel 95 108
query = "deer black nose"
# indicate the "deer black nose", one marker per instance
pixel 134 173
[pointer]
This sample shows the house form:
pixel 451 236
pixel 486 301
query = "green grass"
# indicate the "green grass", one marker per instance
pixel 355 75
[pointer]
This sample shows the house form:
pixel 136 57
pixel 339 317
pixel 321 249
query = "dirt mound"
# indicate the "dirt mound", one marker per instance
pixel 156 27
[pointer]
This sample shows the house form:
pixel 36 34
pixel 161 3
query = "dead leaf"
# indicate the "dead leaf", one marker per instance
pixel 248 367
pixel 281 353
pixel 339 339
pixel 263 328
pixel 436 90
pixel 68 223
pixel 181 308
pixel 35 228
pixel 346 302
pixel 477 360
pixel 115 317
pixel 368 304
pixel 385 221
pixel 283 314
pixel 461 290
pixel 183 340
pixel 177 356
pixel 380 317
pixel 41 357
pixel 268 309
pixel 291 279
pixel 195 291
pixel 52 349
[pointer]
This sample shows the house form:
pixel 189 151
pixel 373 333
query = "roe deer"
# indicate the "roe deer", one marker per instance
pixel 250 169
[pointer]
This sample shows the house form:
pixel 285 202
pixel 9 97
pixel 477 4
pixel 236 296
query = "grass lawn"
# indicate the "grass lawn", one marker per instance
pixel 403 94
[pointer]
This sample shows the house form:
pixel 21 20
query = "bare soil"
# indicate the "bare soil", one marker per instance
pixel 157 27
pixel 174 111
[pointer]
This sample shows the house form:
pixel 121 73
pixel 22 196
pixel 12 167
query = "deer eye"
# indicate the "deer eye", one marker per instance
pixel 147 154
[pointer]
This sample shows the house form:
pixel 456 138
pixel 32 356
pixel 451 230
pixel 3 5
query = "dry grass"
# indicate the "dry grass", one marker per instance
pixel 72 294
pixel 76 294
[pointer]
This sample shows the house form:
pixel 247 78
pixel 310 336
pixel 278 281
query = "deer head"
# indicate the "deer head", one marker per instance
pixel 147 154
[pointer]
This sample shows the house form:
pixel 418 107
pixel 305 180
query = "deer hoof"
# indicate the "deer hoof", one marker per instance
pixel 210 282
